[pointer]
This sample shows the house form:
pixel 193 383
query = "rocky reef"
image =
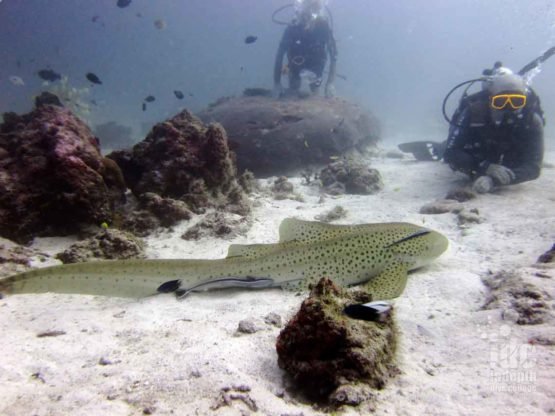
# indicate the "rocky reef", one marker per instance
pixel 53 178
pixel 184 160
pixel 107 244
pixel 276 137
pixel 350 177
pixel 519 301
pixel 332 358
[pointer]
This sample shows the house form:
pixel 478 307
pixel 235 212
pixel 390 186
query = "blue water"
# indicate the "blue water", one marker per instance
pixel 400 57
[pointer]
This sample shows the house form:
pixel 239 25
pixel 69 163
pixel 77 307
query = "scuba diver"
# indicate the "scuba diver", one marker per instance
pixel 496 135
pixel 307 41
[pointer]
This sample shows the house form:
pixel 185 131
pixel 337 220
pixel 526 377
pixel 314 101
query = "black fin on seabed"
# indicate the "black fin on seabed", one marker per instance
pixel 169 286
pixel 424 150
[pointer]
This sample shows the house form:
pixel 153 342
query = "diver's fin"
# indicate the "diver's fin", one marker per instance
pixel 390 283
pixel 424 150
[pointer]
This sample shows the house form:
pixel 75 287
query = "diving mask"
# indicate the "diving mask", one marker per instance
pixel 501 101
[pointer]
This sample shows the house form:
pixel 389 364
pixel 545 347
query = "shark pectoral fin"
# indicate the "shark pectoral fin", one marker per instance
pixel 390 283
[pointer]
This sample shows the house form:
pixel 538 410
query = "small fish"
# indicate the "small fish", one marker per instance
pixel 250 39
pixel 178 94
pixel 49 75
pixel 17 81
pixel 144 107
pixel 93 78
pixel 150 99
pixel 379 256
pixel 160 24
pixel 123 3
pixel 139 15
pixel 95 18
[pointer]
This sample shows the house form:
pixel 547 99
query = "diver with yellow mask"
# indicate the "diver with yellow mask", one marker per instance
pixel 496 134
pixel 307 41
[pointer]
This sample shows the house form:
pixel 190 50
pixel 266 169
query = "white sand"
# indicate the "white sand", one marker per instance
pixel 174 357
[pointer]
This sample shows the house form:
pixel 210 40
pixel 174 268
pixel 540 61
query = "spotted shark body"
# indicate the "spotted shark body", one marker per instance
pixel 376 255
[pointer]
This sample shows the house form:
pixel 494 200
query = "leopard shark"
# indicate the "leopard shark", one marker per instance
pixel 377 256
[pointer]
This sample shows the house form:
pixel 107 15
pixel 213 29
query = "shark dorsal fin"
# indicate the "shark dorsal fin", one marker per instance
pixel 307 232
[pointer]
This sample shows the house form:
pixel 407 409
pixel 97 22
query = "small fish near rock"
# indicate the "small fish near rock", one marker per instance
pixel 250 39
pixel 160 24
pixel 179 94
pixel 93 78
pixel 123 3
pixel 17 81
pixel 49 75
pixel 150 99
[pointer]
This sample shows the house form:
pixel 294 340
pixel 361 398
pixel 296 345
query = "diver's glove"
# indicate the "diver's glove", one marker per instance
pixel 500 174
pixel 330 91
pixel 277 92
pixel 483 184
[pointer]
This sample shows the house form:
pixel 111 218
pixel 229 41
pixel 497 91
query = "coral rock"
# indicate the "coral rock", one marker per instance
pixel 520 302
pixel 323 350
pixel 185 160
pixel 276 137
pixel 51 175
pixel 107 244
pixel 348 176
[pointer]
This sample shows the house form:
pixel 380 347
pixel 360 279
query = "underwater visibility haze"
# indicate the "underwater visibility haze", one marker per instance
pixel 396 59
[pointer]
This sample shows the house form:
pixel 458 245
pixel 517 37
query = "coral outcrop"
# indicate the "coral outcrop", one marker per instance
pixel 51 175
pixel 520 301
pixel 276 137
pixel 334 358
pixel 107 244
pixel 185 160
pixel 350 177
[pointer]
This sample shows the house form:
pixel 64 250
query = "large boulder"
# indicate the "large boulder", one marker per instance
pixel 53 178
pixel 185 160
pixel 276 137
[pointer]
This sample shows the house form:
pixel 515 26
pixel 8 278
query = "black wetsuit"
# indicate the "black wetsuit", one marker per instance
pixel 475 141
pixel 306 48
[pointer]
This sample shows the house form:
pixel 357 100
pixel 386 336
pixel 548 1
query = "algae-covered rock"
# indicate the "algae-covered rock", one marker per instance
pixel 185 160
pixel 276 137
pixel 109 244
pixel 324 351
pixel 520 302
pixel 350 177
pixel 52 175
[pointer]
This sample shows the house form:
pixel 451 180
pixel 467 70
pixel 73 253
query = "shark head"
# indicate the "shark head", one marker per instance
pixel 419 247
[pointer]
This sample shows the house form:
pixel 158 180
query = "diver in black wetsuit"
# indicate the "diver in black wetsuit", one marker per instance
pixel 496 135
pixel 307 41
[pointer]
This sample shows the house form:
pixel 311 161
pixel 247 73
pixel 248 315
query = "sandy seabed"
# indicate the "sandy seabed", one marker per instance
pixel 161 356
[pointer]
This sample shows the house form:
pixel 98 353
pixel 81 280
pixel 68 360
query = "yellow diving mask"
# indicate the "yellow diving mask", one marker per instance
pixel 500 101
